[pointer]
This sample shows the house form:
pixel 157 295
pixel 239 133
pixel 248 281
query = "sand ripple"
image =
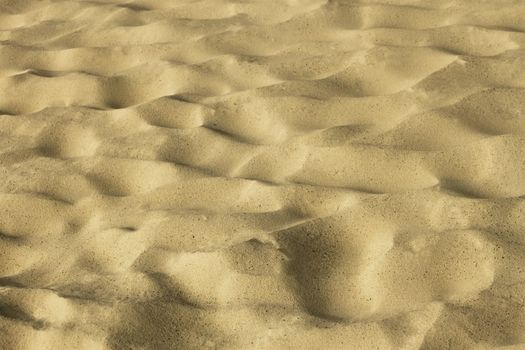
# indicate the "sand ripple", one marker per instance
pixel 262 174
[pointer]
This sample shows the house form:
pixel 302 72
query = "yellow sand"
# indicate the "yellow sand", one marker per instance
pixel 262 174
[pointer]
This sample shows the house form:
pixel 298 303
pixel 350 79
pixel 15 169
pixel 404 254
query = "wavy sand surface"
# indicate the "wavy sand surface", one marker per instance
pixel 249 174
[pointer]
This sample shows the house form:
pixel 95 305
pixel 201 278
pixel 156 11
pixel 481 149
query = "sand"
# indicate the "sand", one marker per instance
pixel 262 174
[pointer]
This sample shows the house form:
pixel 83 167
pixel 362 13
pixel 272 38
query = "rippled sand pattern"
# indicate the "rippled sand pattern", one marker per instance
pixel 249 174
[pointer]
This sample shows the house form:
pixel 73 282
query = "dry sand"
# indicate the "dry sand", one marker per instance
pixel 262 174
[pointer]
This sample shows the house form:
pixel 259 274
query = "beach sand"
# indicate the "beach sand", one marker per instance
pixel 262 174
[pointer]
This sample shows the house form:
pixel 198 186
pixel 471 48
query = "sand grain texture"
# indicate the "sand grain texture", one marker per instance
pixel 249 174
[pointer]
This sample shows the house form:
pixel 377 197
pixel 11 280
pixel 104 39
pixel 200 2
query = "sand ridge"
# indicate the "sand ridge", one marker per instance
pixel 283 174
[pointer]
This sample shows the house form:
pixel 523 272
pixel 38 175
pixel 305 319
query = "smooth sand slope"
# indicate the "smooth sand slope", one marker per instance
pixel 262 174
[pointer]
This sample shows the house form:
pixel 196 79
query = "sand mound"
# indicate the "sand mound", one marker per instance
pixel 292 174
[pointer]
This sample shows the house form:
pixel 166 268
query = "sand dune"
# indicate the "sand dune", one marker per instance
pixel 247 174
